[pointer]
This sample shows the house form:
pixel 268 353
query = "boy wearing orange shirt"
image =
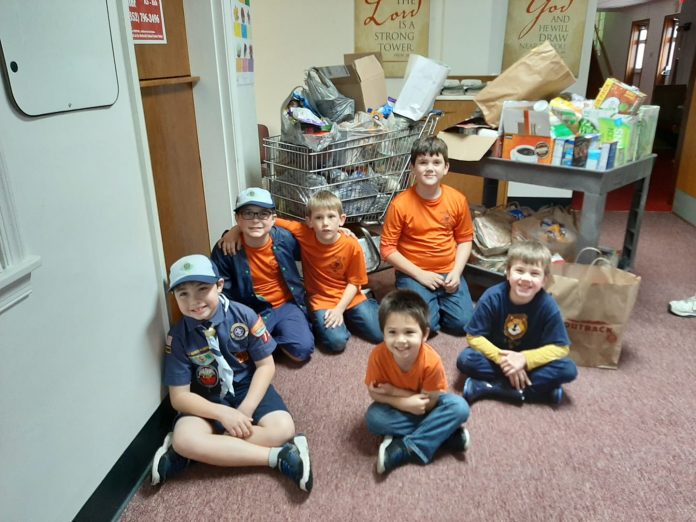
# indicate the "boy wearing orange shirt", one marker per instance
pixel 406 379
pixel 427 236
pixel 334 272
pixel 263 274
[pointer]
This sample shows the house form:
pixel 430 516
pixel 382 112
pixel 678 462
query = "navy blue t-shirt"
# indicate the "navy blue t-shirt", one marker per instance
pixel 517 327
pixel 243 339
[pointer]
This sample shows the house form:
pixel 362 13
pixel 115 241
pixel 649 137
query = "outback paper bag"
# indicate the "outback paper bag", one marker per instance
pixel 540 74
pixel 596 302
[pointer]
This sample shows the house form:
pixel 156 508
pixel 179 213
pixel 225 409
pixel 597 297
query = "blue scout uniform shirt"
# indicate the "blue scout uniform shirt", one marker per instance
pixel 517 327
pixel 243 339
pixel 238 283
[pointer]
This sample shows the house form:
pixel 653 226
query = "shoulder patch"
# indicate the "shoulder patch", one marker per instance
pixel 168 345
pixel 259 330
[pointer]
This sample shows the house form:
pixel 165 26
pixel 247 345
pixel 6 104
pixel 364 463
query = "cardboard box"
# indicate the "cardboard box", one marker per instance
pixel 361 78
pixel 467 147
pixel 528 149
pixel 521 118
pixel 619 95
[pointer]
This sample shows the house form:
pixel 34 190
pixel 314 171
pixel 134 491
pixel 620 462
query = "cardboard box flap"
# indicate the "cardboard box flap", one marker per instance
pixel 466 148
pixel 367 67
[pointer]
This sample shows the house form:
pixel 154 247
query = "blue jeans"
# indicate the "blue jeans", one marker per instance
pixel 291 330
pixel 452 312
pixel 362 321
pixel 422 434
pixel 544 378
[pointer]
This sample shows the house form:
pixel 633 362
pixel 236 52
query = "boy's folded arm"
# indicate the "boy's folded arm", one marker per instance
pixel 544 355
pixel 401 263
pixel 484 346
pixel 389 389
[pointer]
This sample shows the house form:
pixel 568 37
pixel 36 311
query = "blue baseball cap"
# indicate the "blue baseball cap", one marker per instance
pixel 254 196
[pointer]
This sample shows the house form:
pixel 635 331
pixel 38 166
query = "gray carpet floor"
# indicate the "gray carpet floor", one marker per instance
pixel 619 448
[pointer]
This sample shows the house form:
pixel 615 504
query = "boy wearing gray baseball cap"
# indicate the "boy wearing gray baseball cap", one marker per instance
pixel 219 367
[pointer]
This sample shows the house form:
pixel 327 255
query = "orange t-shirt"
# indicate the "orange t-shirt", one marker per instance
pixel 328 269
pixel 427 232
pixel 265 275
pixel 427 373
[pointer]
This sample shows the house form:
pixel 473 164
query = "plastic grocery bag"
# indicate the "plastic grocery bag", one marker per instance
pixel 556 227
pixel 325 97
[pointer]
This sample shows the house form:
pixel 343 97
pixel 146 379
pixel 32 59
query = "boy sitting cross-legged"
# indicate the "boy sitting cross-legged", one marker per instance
pixel 334 272
pixel 518 342
pixel 427 237
pixel 218 367
pixel 407 381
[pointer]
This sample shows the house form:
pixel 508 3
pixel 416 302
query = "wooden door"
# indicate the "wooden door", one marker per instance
pixel 167 94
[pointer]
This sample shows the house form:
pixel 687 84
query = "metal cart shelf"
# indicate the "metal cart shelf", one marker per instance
pixel 593 184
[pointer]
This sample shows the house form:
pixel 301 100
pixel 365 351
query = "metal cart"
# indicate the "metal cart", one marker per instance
pixel 365 171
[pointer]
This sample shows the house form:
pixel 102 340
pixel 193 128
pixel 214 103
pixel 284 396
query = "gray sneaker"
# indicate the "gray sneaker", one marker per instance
pixel 684 308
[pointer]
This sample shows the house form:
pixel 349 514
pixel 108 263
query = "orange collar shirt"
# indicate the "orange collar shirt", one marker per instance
pixel 426 375
pixel 427 232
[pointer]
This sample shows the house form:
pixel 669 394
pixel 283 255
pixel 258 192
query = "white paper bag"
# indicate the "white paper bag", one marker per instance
pixel 424 81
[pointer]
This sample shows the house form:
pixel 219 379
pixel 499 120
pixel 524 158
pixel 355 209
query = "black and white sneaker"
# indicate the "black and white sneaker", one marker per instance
pixel 166 461
pixel 294 462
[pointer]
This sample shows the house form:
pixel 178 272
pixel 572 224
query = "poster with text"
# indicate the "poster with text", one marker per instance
pixel 394 28
pixel 533 22
pixel 243 49
pixel 147 21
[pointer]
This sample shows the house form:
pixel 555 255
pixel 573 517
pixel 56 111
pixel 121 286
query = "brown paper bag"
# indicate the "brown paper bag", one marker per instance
pixel 596 302
pixel 540 74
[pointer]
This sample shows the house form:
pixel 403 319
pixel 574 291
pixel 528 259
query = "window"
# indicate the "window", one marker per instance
pixel 668 60
pixel 15 266
pixel 636 49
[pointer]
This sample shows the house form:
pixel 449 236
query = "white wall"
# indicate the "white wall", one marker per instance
pixel 82 355
pixel 225 112
pixel 617 34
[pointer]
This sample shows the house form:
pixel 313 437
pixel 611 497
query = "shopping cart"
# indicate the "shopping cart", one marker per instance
pixel 365 171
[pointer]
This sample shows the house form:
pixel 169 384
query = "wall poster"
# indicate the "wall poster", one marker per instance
pixel 147 21
pixel 394 28
pixel 243 51
pixel 533 22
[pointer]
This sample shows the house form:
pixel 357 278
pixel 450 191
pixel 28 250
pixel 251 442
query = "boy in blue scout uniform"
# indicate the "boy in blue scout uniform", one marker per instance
pixel 219 366
pixel 264 276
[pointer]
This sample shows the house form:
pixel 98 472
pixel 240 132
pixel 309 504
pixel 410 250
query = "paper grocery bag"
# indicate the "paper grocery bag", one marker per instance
pixel 424 81
pixel 596 302
pixel 540 74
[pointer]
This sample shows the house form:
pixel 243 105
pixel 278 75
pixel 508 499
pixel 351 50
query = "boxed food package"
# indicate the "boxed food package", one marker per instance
pixel 361 78
pixel 528 149
pixel 647 125
pixel 625 98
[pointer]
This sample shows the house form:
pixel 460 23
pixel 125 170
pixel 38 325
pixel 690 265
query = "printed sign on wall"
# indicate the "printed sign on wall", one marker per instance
pixel 147 21
pixel 394 28
pixel 244 51
pixel 533 22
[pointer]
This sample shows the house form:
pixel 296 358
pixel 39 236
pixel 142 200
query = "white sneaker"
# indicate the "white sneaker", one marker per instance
pixel 684 308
